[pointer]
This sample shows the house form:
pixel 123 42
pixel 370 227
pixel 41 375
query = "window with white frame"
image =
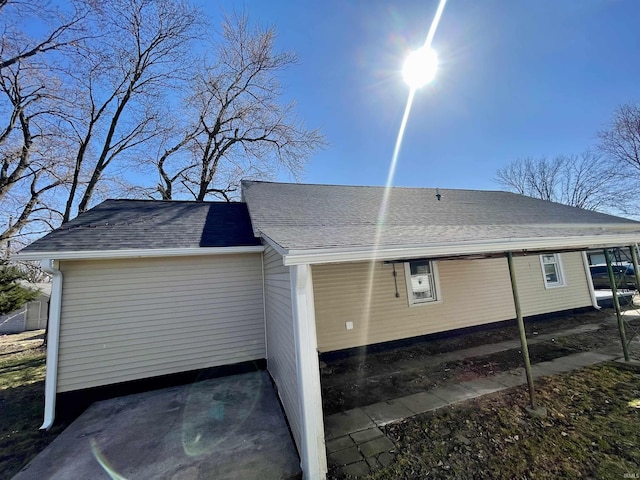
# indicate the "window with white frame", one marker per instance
pixel 420 276
pixel 552 270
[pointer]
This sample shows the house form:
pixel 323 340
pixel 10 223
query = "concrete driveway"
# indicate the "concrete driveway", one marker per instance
pixel 222 428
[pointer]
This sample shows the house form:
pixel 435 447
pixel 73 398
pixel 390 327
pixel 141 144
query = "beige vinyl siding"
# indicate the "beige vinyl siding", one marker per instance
pixel 472 292
pixel 129 319
pixel 536 299
pixel 281 350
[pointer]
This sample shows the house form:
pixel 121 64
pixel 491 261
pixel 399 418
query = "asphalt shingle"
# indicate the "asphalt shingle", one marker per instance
pixel 298 216
pixel 148 224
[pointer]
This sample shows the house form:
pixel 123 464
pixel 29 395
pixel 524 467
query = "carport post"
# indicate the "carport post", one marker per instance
pixel 616 304
pixel 634 257
pixel 523 336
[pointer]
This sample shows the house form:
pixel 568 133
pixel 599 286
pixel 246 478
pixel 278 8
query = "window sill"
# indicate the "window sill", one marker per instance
pixel 422 304
pixel 551 287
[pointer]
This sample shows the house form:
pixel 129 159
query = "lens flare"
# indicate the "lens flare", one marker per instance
pixel 366 313
pixel 420 67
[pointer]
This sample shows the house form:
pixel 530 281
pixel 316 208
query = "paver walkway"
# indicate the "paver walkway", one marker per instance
pixel 356 444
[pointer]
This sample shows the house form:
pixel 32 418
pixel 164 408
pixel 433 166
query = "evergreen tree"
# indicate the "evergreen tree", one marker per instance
pixel 13 295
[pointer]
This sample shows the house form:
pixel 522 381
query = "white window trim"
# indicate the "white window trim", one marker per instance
pixel 559 271
pixel 409 287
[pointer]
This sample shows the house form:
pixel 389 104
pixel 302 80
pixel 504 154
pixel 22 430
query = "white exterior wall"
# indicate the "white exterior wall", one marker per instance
pixel 129 319
pixel 472 292
pixel 281 350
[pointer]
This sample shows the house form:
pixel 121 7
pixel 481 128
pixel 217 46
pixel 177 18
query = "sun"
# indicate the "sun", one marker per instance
pixel 420 67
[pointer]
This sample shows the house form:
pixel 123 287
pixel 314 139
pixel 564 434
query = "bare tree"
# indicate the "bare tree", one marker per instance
pixel 243 128
pixel 32 153
pixel 142 50
pixel 620 140
pixel 67 29
pixel 538 178
pixel 82 116
pixel 586 181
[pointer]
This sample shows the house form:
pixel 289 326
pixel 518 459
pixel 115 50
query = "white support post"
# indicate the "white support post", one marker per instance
pixel 312 446
pixel 587 272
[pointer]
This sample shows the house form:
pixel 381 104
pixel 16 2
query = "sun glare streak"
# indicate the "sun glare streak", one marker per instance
pixel 392 170
pixel 434 23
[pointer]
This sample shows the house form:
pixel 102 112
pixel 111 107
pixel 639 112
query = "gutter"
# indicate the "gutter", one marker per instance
pixel 53 342
pixel 357 254
pixel 136 253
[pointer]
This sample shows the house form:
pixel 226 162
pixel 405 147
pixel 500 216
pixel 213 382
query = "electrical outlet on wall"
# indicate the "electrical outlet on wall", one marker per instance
pixel 349 325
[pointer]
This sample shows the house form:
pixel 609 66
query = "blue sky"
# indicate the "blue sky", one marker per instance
pixel 516 78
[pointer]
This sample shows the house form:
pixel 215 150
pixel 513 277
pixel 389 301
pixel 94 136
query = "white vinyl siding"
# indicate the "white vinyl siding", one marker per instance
pixel 130 319
pixel 473 292
pixel 281 350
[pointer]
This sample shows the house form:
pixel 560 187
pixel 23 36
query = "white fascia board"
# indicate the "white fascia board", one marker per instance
pixel 137 253
pixel 339 255
pixel 281 251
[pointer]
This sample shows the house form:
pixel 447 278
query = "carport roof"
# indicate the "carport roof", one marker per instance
pixel 305 220
pixel 115 225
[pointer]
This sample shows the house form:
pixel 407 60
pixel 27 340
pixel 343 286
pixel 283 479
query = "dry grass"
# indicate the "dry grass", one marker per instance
pixel 592 430
pixel 22 370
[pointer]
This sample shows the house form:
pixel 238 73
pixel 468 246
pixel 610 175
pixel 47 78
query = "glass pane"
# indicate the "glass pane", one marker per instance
pixel 550 273
pixel 420 268
pixel 548 259
pixel 421 281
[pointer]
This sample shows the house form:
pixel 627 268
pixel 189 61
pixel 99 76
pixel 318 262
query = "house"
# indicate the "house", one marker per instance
pixel 32 315
pixel 151 288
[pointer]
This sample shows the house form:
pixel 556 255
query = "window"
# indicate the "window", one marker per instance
pixel 420 276
pixel 552 270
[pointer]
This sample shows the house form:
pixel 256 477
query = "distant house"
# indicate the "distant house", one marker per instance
pixel 31 316
pixel 150 288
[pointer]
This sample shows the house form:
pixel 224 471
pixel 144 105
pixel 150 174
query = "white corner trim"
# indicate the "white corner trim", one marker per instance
pixel 137 253
pixel 338 255
pixel 313 451
pixel 587 273
pixel 53 343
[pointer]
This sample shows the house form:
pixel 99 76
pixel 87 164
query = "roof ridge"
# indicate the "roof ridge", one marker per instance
pixel 376 186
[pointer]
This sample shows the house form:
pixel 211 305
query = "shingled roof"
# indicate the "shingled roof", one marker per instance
pixel 304 217
pixel 151 224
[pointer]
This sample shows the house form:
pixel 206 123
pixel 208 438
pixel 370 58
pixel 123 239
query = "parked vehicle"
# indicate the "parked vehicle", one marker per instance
pixel 623 273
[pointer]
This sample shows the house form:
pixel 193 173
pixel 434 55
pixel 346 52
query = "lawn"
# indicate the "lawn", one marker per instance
pixel 22 370
pixel 592 430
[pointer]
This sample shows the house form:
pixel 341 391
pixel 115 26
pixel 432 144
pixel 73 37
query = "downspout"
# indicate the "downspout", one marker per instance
pixel 53 340
pixel 587 272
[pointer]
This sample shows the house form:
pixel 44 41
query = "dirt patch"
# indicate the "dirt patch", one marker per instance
pixel 380 375
pixel 592 430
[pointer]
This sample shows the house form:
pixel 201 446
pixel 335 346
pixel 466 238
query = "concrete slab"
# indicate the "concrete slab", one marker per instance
pixel 483 386
pixel 340 443
pixel 584 359
pixel 513 378
pixel 544 369
pixel 387 412
pixel 343 423
pixel 376 446
pixel 422 402
pixel 345 457
pixel 453 393
pixel 223 428
pixel 366 435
